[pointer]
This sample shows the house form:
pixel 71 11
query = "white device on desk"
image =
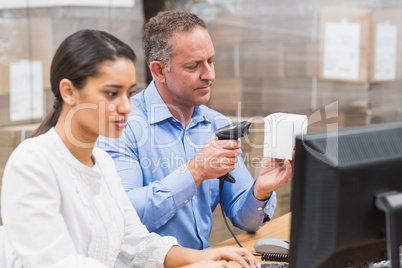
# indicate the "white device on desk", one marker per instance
pixel 272 245
pixel 272 249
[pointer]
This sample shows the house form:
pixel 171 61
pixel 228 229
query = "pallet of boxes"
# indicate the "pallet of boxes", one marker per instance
pixel 360 64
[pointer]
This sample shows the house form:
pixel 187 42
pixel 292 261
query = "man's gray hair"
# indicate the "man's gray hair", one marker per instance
pixel 160 29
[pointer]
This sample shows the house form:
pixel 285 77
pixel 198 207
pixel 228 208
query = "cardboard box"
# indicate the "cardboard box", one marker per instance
pixel 252 145
pixel 226 94
pixel 386 51
pixel 320 121
pixel 5 79
pixel 226 29
pixel 236 96
pixel 357 115
pixel 27 40
pixel 279 24
pixel 345 44
pixel 336 3
pixel 345 94
pixel 261 60
pixel 382 116
pixel 225 66
pixel 360 101
pixel 283 195
pixel 5 110
pixel 290 95
pixel 251 99
pixel 301 60
pixel 10 138
pixel 37 37
pixel 249 60
pixel 385 102
pixel 385 95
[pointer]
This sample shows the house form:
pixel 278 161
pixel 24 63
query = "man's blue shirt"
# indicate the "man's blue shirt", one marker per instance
pixel 150 158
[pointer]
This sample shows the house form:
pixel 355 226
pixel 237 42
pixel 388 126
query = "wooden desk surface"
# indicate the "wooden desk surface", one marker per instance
pixel 277 228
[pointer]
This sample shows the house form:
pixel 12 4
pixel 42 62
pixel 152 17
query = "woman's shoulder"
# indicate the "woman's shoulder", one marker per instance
pixel 32 156
pixel 32 145
pixel 35 148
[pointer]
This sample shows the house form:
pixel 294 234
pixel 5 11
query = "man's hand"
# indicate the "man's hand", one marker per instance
pixel 272 174
pixel 216 158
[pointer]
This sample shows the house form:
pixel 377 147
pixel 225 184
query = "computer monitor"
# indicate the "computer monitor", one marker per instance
pixel 343 182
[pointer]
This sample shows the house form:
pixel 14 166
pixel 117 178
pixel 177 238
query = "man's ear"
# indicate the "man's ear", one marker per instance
pixel 158 71
pixel 68 92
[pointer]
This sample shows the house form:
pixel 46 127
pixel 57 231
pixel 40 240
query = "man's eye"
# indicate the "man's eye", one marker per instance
pixel 193 67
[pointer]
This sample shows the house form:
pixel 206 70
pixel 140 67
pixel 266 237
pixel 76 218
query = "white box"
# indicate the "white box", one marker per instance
pixel 280 133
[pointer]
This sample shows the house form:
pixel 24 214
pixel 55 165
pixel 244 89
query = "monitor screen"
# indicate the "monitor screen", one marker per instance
pixel 338 177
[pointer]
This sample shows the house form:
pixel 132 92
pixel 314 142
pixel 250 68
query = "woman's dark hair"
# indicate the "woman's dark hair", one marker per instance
pixel 77 58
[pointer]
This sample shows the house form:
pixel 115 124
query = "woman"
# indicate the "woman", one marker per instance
pixel 62 201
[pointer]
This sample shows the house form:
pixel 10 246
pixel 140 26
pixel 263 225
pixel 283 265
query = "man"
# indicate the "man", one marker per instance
pixel 168 157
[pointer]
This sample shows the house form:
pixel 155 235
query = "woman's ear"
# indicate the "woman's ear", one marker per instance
pixel 68 92
pixel 158 71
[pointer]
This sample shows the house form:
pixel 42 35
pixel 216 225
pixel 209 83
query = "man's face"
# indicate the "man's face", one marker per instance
pixel 192 71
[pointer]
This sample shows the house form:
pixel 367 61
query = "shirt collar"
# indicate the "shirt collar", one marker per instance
pixel 199 116
pixel 158 111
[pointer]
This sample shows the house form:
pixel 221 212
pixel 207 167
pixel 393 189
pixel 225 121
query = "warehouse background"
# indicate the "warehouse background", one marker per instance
pixel 339 62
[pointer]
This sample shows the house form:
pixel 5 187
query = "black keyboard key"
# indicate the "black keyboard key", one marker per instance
pixel 274 265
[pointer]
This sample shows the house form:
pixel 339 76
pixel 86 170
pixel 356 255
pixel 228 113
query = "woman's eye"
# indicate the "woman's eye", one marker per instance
pixel 111 93
pixel 131 93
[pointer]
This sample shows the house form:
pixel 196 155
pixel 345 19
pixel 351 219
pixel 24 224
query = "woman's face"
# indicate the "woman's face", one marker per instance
pixel 104 103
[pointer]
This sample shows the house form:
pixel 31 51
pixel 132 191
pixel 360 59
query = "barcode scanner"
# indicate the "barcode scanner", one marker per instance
pixel 232 132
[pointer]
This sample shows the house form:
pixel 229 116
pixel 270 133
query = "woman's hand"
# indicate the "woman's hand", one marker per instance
pixel 210 257
pixel 209 264
pixel 240 255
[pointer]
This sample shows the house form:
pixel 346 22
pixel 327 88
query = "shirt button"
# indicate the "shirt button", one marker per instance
pixel 267 207
pixel 259 208
pixel 193 197
pixel 174 120
pixel 185 202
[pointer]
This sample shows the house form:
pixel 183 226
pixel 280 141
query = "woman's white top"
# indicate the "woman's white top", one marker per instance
pixel 58 212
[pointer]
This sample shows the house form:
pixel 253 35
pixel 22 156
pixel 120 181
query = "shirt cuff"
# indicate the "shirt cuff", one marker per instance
pixel 270 206
pixel 261 208
pixel 167 242
pixel 181 184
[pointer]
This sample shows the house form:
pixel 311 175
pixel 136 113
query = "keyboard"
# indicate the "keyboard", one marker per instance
pixel 381 264
pixel 274 265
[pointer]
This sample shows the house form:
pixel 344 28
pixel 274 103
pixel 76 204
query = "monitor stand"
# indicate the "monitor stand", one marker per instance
pixel 391 204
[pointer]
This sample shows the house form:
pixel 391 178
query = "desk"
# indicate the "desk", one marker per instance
pixel 277 228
